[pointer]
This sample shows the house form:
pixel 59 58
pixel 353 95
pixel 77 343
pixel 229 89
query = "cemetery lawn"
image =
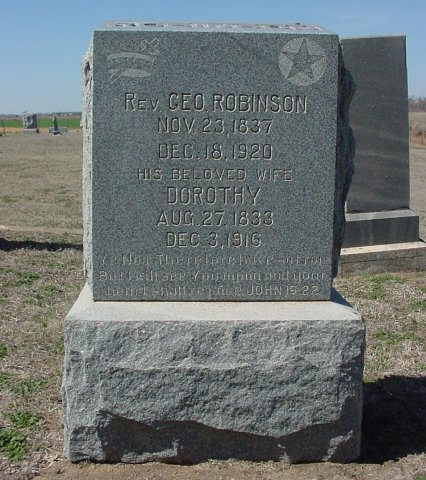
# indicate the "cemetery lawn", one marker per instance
pixel 40 175
pixel 41 277
pixel 43 122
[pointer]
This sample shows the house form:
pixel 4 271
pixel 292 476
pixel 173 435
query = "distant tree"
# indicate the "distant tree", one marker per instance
pixel 416 104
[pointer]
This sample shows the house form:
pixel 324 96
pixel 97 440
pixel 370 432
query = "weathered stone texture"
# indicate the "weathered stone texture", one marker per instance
pixel 183 382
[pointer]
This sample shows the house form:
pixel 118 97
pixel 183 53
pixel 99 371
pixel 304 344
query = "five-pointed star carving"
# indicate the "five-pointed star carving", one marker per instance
pixel 303 61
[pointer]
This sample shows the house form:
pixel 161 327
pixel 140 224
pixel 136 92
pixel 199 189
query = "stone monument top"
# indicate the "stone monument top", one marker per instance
pixel 212 26
pixel 210 168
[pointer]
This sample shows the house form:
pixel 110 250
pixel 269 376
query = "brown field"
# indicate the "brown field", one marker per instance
pixel 41 276
pixel 41 180
pixel 418 127
pixel 418 184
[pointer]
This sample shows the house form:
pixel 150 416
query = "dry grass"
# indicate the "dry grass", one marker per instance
pixel 417 120
pixel 418 127
pixel 40 278
pixel 394 307
pixel 417 185
pixel 40 177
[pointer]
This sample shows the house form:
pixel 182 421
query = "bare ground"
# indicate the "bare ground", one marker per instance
pixel 40 178
pixel 418 128
pixel 40 277
pixel 418 184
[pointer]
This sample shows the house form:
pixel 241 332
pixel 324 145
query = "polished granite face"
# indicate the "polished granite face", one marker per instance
pixel 210 155
pixel 379 118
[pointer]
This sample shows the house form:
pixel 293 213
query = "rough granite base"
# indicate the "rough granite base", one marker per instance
pixel 191 381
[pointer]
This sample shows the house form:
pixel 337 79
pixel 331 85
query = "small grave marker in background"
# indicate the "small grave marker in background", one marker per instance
pixel 29 123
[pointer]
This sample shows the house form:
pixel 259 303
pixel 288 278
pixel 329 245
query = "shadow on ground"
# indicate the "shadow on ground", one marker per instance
pixel 394 419
pixel 9 245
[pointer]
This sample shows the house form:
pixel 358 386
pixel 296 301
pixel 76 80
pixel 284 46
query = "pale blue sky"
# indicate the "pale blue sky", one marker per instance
pixel 41 41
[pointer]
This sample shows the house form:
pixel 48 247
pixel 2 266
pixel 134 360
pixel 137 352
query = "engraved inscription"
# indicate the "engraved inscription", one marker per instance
pixel 217 227
pixel 133 64
pixel 156 275
pixel 201 195
pixel 217 200
pixel 219 165
pixel 219 102
pixel 302 61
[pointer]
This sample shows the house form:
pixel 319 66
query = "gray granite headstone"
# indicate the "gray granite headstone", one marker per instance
pixel 379 119
pixel 217 160
pixel 210 155
pixel 29 123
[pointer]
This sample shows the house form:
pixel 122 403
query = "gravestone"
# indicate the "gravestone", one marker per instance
pixel 204 172
pixel 29 123
pixel 217 159
pixel 378 204
pixel 55 129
